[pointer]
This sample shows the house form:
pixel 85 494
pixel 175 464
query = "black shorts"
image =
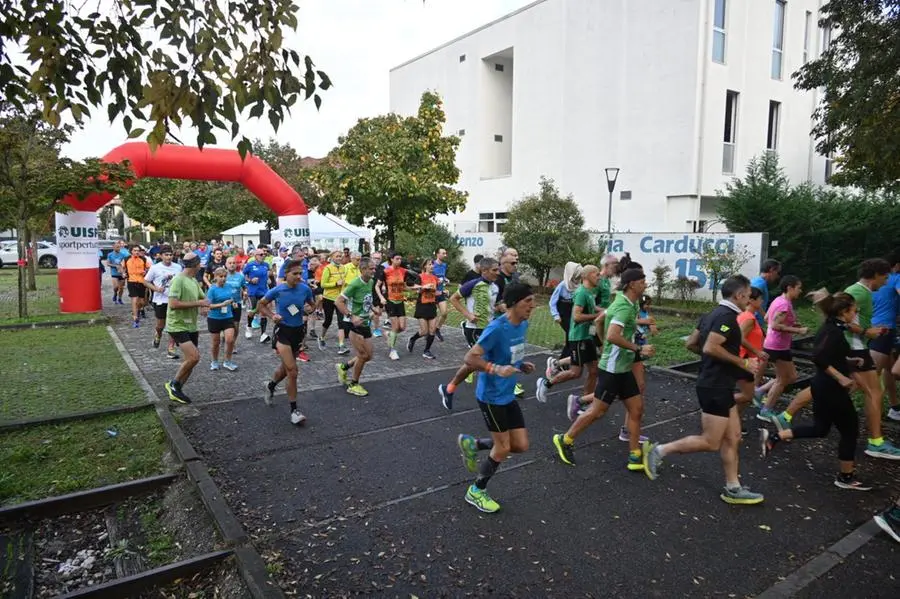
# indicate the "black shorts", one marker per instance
pixel 472 335
pixel 160 311
pixel 185 337
pixel 583 352
pixel 779 355
pixel 441 298
pixel 500 418
pixel 292 336
pixel 884 344
pixel 716 401
pixel 345 325
pixel 611 385
pixel 395 309
pixel 218 325
pixel 136 289
pixel 363 331
pixel 376 300
pixel 425 311
pixel 237 314
pixel 868 363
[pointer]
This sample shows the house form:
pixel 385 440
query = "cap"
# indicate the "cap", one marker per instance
pixel 630 276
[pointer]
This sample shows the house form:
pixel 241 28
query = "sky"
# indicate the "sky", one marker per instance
pixel 356 42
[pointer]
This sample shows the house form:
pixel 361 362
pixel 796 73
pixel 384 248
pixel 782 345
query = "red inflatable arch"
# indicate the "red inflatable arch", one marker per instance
pixel 77 232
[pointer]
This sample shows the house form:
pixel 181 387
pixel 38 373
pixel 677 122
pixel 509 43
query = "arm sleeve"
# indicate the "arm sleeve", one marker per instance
pixel 271 294
pixel 826 348
pixel 554 311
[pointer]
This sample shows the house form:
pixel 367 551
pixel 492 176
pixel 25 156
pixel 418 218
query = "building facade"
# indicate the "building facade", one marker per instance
pixel 677 94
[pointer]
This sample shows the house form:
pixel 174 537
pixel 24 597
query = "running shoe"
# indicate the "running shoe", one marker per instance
pixel 394 355
pixel 894 414
pixel 519 390
pixel 566 452
pixel 176 394
pixel 256 322
pixel 625 436
pixel 851 482
pixel 446 397
pixel 157 337
pixel 428 355
pixel 481 500
pixel 376 332
pixel 541 390
pixel 886 451
pixel 438 335
pixel 321 344
pixel 269 395
pixel 357 390
pixel 303 356
pixel 635 462
pixel 766 414
pixel 652 459
pixel 136 324
pixel 142 313
pixel 297 418
pixel 343 350
pixel 468 447
pixel 780 422
pixel 410 344
pixel 248 334
pixel 341 374
pixel 470 378
pixel 229 365
pixel 741 496
pixel 171 354
pixel 765 446
pixel 214 365
pixel 889 521
pixel 573 404
pixel 264 338
pixel 312 332
pixel 552 367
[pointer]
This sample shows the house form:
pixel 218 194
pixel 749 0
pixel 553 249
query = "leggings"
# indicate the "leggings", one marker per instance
pixel 250 314
pixel 565 321
pixel 832 406
pixel 328 307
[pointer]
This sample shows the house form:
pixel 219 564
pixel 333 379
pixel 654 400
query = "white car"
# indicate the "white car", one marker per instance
pixel 9 254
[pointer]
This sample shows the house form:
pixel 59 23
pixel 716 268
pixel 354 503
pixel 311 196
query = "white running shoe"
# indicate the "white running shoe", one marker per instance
pixel 264 337
pixel 297 417
pixel 894 414
pixel 394 355
pixel 248 333
pixel 541 391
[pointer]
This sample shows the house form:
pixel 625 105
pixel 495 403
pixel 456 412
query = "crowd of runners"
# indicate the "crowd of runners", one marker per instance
pixel 305 294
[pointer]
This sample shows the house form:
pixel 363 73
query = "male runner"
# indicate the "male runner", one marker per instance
pixel 216 261
pixel 440 271
pixel 332 282
pixel 256 272
pixel 768 276
pixel 886 309
pixel 378 277
pixel 291 298
pixel 509 273
pixel 185 300
pixel 498 355
pixel 158 280
pixel 474 272
pixel 114 262
pixel 355 306
pixel 135 269
pixel 616 377
pixel 717 339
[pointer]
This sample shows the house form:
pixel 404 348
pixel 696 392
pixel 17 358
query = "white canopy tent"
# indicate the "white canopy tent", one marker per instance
pixel 327 232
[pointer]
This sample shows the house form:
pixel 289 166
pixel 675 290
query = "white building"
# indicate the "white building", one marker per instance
pixel 678 94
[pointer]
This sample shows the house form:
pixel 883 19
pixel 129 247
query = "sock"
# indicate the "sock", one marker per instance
pixel 568 440
pixel 451 388
pixel 262 324
pixel 548 383
pixel 428 341
pixel 787 416
pixel 733 486
pixel 486 470
pixel 354 383
pixel 345 366
pixel 634 453
pixel 392 339
pixel 481 444
pixel 416 337
pixel 293 406
pixel 877 442
pixel 272 385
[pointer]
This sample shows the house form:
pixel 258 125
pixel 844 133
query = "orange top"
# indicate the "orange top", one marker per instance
pixel 395 279
pixel 429 288
pixel 754 337
pixel 136 267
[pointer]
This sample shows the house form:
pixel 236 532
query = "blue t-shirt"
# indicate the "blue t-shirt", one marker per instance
pixel 440 271
pixel 217 295
pixel 290 301
pixel 257 270
pixel 115 259
pixel 886 303
pixel 204 255
pixel 235 282
pixel 504 344
pixel 761 284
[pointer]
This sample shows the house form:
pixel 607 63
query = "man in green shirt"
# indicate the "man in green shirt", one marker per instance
pixel 355 306
pixel 185 300
pixel 873 274
pixel 615 377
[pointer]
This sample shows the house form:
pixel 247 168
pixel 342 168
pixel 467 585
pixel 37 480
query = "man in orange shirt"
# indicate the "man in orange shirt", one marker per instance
pixel 135 269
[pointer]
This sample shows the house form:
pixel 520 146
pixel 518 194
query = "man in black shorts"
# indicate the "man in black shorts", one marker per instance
pixel 354 305
pixel 717 339
pixel 185 300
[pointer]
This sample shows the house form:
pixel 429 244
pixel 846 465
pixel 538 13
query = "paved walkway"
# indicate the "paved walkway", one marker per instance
pixel 367 497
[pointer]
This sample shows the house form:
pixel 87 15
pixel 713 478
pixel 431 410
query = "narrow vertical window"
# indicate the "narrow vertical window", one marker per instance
pixel 807 27
pixel 774 123
pixel 730 137
pixel 718 47
pixel 778 39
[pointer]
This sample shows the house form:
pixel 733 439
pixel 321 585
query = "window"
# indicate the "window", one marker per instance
pixel 807 26
pixel 492 222
pixel 774 122
pixel 461 132
pixel 778 39
pixel 697 226
pixel 498 67
pixel 498 138
pixel 625 194
pixel 826 38
pixel 462 58
pixel 718 47
pixel 730 137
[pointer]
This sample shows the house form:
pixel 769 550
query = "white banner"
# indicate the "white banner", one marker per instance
pixel 77 238
pixel 292 230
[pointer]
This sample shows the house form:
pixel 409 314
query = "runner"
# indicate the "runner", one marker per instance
pixel 158 280
pixel 777 344
pixel 332 283
pixel 256 272
pixel 561 311
pixel 240 258
pixel 426 309
pixel 646 326
pixel 135 269
pixel 481 300
pixel 395 279
pixel 717 339
pixel 873 274
pixel 220 319
pixel 831 387
pixel 889 520
pixel 885 311
pixel 237 283
pixel 499 354
pixel 376 298
pixel 216 261
pixel 185 300
pixel 115 263
pixel 291 297
pixel 768 276
pixel 440 271
pixel 509 273
pixel 752 346
pixel 475 271
pixel 351 272
pixel 616 378
pixel 355 304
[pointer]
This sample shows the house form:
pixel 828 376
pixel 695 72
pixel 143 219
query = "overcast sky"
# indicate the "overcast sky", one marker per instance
pixel 356 42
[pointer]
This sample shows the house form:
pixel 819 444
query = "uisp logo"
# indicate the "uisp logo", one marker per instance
pixel 76 232
pixel 295 233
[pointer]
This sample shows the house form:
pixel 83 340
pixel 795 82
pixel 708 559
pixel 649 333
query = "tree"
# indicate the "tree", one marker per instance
pixel 426 242
pixel 662 274
pixel 547 229
pixel 157 62
pixel 285 161
pixel 392 172
pixel 34 179
pixel 859 74
pixel 718 266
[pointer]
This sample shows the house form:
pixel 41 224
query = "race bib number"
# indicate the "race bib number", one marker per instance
pixel 224 309
pixel 293 310
pixel 517 352
pixel 593 330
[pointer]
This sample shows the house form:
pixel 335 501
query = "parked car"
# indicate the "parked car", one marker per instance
pixel 9 254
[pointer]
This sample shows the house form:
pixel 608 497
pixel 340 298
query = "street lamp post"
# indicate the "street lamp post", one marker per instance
pixel 612 174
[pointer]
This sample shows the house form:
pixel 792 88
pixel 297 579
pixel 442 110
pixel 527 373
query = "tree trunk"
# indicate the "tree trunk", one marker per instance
pixel 32 262
pixel 389 236
pixel 22 231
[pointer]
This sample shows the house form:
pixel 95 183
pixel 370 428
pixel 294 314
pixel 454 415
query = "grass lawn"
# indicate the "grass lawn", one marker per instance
pixel 54 460
pixel 51 372
pixel 43 304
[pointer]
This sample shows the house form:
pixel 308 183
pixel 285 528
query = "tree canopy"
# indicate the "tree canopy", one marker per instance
pixel 157 62
pixel 858 119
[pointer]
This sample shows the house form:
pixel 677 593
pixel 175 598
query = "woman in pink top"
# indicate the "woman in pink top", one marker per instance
pixel 782 327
